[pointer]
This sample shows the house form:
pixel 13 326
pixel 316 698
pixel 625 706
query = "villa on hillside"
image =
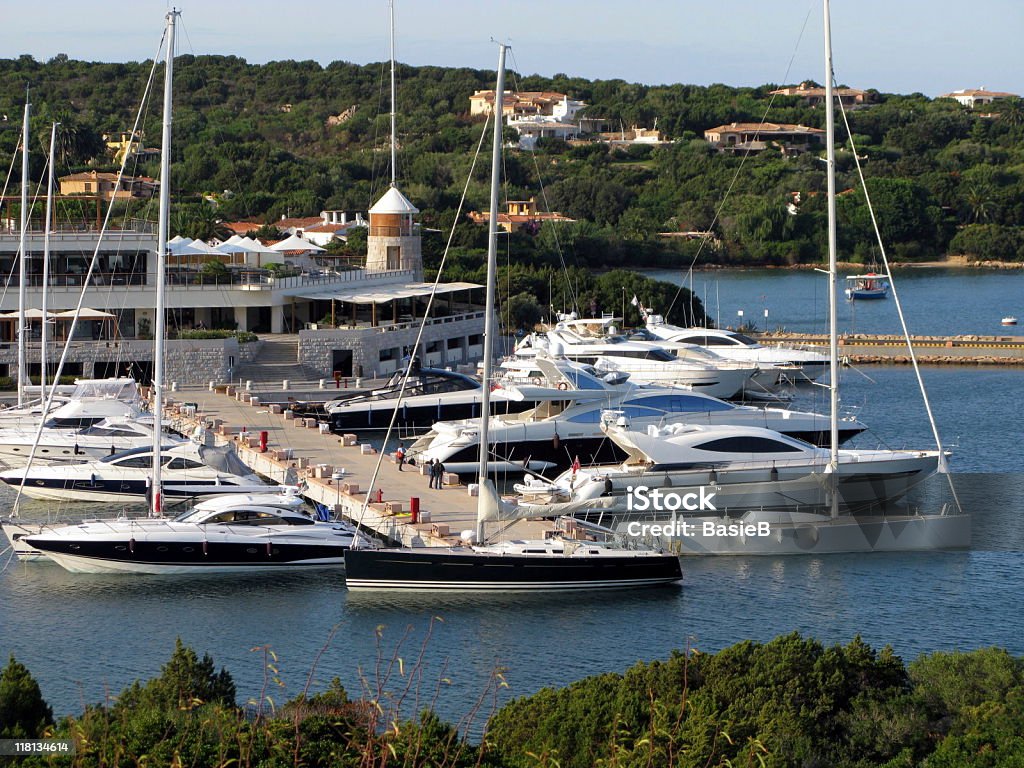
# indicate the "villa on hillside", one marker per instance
pixel 813 95
pixel 751 138
pixel 977 97
pixel 106 185
pixel 533 114
pixel 520 215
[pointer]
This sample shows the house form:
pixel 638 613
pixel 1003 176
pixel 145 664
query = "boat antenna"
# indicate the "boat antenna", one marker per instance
pixel 394 149
pixel 487 494
pixel 833 334
pixel 161 263
pixel 22 271
pixel 46 265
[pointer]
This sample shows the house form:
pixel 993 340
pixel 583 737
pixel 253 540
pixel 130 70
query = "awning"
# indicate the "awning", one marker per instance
pixel 385 293
pixel 85 314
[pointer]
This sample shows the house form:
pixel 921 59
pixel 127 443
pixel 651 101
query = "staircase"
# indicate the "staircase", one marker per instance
pixel 276 361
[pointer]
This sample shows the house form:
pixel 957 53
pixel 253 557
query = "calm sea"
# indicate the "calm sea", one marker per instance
pixel 942 302
pixel 87 636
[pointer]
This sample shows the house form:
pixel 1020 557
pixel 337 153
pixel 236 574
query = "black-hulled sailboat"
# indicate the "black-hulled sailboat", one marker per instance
pixel 550 564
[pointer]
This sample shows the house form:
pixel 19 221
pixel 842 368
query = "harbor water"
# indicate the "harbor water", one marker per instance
pixel 86 637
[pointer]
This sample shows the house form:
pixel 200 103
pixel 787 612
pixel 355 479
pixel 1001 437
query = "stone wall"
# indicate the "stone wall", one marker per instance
pixel 450 336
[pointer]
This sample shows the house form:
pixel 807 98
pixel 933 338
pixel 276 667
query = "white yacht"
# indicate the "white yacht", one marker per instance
pixel 92 400
pixel 238 533
pixel 743 468
pixel 809 364
pixel 188 470
pixel 62 446
pixel 565 426
pixel 597 343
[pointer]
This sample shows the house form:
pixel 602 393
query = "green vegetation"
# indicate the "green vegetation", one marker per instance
pixel 790 702
pixel 292 138
pixel 244 337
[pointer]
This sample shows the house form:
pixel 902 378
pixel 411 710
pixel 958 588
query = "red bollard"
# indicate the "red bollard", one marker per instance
pixel 380 495
pixel 264 435
pixel 337 379
pixel 414 510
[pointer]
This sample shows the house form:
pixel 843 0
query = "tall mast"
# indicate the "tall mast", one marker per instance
pixel 46 264
pixel 485 498
pixel 394 149
pixel 22 271
pixel 833 332
pixel 161 264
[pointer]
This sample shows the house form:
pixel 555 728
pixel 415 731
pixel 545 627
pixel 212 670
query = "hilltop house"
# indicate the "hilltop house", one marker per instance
pixel 756 137
pixel 813 95
pixel 520 215
pixel 533 114
pixel 976 97
pixel 107 186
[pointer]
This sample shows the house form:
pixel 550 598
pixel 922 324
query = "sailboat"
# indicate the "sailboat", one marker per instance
pixel 541 565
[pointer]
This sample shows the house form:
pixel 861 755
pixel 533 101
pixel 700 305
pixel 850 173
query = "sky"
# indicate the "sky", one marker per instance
pixel 895 46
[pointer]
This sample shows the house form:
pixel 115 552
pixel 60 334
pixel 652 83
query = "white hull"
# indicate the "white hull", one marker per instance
pixel 94 565
pixel 16 533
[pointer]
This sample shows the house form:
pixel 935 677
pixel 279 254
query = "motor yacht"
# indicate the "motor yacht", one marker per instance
pixel 236 533
pixel 565 425
pixel 189 469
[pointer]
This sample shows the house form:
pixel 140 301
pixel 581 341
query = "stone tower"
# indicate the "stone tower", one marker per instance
pixel 394 239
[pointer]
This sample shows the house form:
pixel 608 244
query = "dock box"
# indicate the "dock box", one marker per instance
pixel 392 507
pixel 323 471
pixel 450 478
pixel 289 415
pixel 325 428
pixel 424 515
pixel 440 530
pixel 367 450
pixel 424 468
pixel 349 439
pixel 302 462
pixel 311 423
pixel 254 401
pixel 473 489
pixel 276 408
pixel 352 489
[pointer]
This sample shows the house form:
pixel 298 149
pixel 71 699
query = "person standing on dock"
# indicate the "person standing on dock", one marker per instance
pixel 432 471
pixel 439 469
pixel 400 456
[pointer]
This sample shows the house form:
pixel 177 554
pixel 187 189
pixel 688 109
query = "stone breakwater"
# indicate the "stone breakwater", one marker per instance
pixel 866 349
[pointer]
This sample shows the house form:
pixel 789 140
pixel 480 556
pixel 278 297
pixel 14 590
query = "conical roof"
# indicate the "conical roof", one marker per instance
pixel 394 201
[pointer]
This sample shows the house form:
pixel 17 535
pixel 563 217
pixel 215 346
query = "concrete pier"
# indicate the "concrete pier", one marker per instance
pixel 863 349
pixel 336 474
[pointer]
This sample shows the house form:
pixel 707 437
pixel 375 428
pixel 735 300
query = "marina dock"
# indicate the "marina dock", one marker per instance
pixel 865 349
pixel 332 472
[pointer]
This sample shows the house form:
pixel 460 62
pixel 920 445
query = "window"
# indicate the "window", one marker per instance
pixel 683 403
pixel 135 462
pixel 180 463
pixel 747 444
pixel 394 257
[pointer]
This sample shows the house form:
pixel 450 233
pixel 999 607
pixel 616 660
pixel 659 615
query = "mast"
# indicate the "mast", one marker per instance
pixel 486 496
pixel 161 264
pixel 46 265
pixel 22 271
pixel 394 149
pixel 833 333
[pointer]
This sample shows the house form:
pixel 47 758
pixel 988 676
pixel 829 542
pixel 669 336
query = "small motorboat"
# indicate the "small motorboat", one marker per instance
pixel 1009 320
pixel 870 285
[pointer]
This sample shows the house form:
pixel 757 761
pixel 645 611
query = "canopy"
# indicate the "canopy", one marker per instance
pixel 295 243
pixel 85 314
pixel 30 314
pixel 384 293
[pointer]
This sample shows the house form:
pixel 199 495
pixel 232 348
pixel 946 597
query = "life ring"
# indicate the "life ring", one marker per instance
pixel 536 380
pixel 563 386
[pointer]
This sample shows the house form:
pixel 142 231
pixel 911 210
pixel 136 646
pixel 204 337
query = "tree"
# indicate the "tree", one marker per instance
pixel 23 711
pixel 185 682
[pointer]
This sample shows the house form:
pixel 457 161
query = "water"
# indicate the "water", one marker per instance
pixel 938 302
pixel 85 637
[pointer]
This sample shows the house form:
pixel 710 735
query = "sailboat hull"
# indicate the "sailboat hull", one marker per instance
pixel 465 569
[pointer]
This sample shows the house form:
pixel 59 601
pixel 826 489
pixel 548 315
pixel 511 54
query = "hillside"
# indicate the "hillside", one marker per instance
pixel 943 179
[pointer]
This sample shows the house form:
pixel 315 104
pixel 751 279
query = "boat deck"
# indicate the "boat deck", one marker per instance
pixel 298 450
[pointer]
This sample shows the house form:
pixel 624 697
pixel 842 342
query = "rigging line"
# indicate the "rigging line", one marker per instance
pixel 14 262
pixel 743 161
pixel 547 205
pixel 85 286
pixel 423 325
pixel 943 467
